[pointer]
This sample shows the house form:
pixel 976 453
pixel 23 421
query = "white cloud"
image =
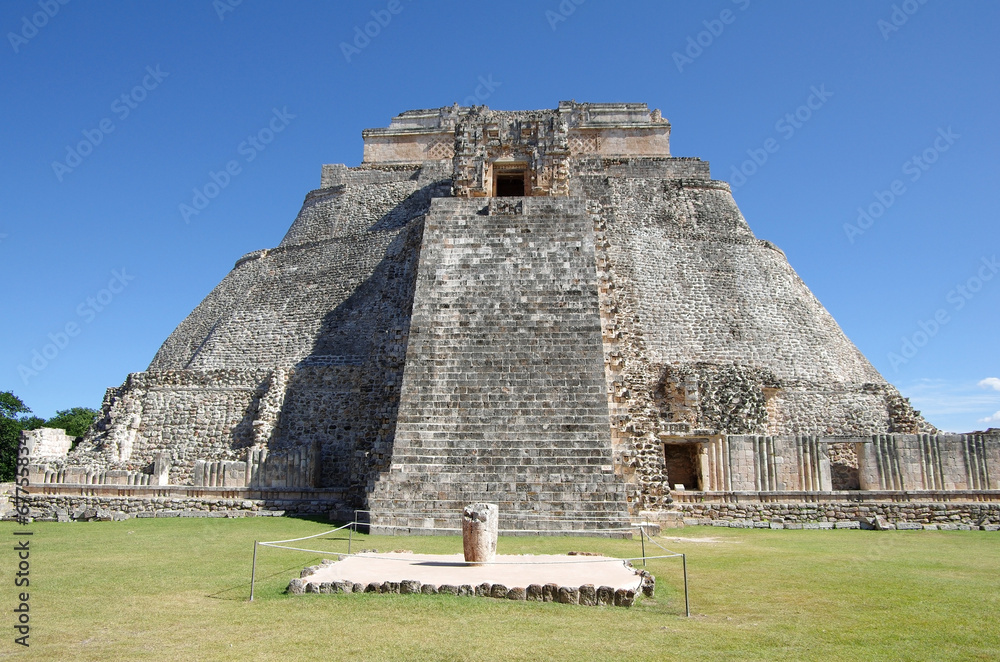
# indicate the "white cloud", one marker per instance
pixel 995 418
pixel 958 406
pixel 990 382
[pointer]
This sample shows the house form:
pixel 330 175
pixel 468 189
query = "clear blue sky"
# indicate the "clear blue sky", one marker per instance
pixel 197 81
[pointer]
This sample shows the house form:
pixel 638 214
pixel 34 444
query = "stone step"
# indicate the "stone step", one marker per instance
pixel 520 462
pixel 446 465
pixel 504 391
pixel 523 511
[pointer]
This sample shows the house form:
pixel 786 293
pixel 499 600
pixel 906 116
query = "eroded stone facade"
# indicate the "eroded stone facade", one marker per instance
pixel 607 336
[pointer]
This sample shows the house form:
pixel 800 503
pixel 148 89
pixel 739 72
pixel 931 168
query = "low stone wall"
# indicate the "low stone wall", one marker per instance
pixel 97 502
pixel 844 515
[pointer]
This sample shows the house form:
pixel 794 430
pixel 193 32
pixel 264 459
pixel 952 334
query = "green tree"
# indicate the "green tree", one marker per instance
pixel 75 421
pixel 11 407
pixel 32 423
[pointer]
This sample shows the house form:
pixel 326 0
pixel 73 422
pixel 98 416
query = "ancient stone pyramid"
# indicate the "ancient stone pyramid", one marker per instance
pixel 532 308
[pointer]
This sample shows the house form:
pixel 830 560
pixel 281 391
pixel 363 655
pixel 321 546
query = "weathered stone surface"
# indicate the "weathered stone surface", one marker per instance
pixel 484 590
pixel 517 593
pixel 882 524
pixel 624 597
pixel 449 589
pixel 648 584
pixel 588 595
pixel 534 593
pixel 550 592
pixel 568 595
pixel 429 589
pixel 605 596
pixel 479 532
pixel 355 365
pixel 296 587
pixel 409 586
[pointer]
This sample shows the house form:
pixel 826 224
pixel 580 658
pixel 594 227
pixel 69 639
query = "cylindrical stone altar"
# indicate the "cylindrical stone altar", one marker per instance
pixel 479 532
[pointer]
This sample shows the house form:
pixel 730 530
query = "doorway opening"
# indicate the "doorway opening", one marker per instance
pixel 681 464
pixel 509 184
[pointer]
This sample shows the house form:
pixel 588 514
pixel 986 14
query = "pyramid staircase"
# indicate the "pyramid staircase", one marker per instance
pixel 504 398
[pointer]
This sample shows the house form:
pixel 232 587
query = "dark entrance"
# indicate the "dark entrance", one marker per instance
pixel 680 463
pixel 509 185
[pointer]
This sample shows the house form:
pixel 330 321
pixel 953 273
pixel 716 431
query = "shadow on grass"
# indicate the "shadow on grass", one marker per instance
pixel 227 593
pixel 245 588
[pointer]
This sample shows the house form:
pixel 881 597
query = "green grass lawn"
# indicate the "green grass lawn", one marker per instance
pixel 176 589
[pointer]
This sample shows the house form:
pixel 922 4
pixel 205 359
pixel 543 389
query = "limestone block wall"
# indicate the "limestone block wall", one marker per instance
pixel 42 474
pixel 777 464
pixel 46 443
pixel 300 347
pixel 272 308
pixel 930 462
pixel 728 296
pixel 647 167
pixel 338 174
pixel 186 415
pixel 298 467
pixel 708 329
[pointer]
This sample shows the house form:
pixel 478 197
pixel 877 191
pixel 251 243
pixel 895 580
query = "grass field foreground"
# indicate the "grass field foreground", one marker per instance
pixel 176 589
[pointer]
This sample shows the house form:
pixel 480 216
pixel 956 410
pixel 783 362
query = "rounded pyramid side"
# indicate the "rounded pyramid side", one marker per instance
pixel 721 332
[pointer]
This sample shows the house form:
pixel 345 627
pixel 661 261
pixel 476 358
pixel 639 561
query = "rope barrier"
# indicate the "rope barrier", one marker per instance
pixel 643 534
pixel 317 535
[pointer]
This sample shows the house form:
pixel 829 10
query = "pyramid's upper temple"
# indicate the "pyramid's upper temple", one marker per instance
pixel 484 142
pixel 541 309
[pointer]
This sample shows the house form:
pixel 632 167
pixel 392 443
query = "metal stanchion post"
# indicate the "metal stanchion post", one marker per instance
pixel 642 537
pixel 687 601
pixel 253 570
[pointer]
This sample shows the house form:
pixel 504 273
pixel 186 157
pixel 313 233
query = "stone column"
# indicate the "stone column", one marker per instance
pixel 479 532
